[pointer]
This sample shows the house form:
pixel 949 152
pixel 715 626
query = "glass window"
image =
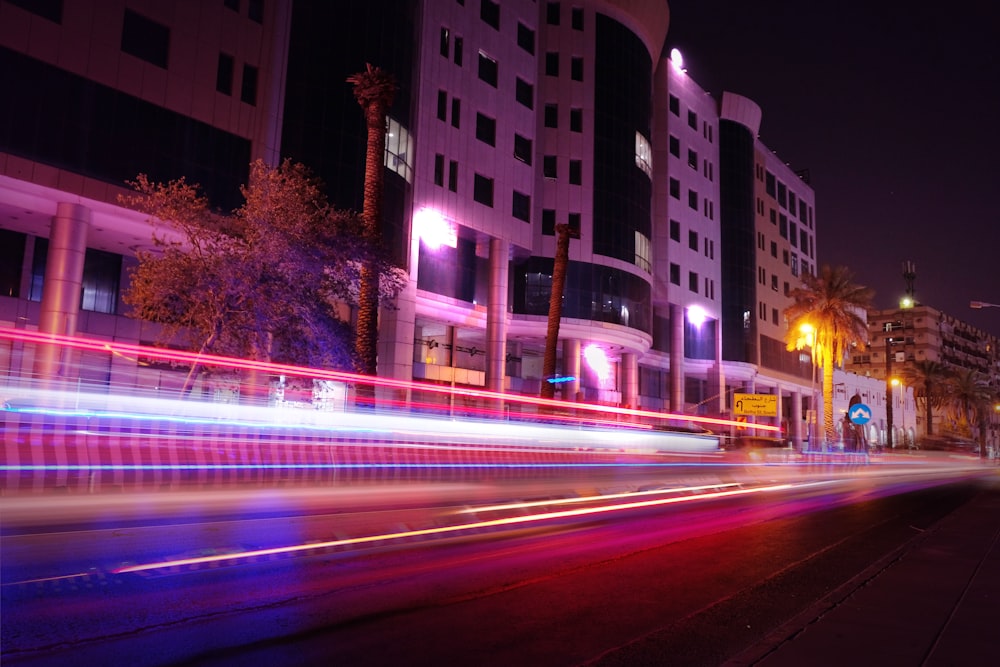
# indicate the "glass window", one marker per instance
pixel 692 119
pixel 548 222
pixel 488 69
pixel 552 13
pixel 145 39
pixel 643 154
pixel 442 105
pixel 482 190
pixel 549 166
pixel 248 91
pixel 453 176
pixel 398 149
pixel 642 252
pixel 675 105
pixel 692 159
pixel 573 221
pixel 675 274
pixel 445 42
pixel 12 246
pixel 783 226
pixel 521 206
pixel 575 172
pixel 576 120
pixel 577 18
pixel 526 38
pixel 576 68
pixel 522 148
pixel 524 93
pixel 224 74
pixel 675 188
pixel 47 9
pixel 774 249
pixel 675 146
pixel 675 231
pixel 551 115
pixel 693 240
pixel 552 64
pixel 693 281
pixel 770 184
pixel 439 170
pixel 456 112
pixel 486 129
pixel 489 12
pixel 255 10
pixel 693 199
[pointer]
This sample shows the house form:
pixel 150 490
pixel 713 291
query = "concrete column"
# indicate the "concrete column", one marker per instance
pixel 676 358
pixel 717 380
pixel 496 315
pixel 796 426
pixel 572 367
pixel 61 292
pixel 630 380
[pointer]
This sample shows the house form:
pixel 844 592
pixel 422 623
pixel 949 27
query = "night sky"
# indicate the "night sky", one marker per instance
pixel 894 108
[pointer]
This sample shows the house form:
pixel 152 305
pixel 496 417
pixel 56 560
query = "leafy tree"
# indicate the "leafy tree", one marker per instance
pixel 928 379
pixel 833 305
pixel 374 90
pixel 263 282
pixel 971 397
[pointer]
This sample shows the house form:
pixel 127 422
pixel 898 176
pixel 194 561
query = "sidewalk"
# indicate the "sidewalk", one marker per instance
pixel 936 602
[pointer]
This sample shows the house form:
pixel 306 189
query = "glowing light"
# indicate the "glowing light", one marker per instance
pixel 545 516
pixel 591 499
pixel 696 315
pixel 598 361
pixel 434 230
pixel 677 60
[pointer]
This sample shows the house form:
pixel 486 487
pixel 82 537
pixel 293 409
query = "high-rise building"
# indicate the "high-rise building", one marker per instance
pixel 512 118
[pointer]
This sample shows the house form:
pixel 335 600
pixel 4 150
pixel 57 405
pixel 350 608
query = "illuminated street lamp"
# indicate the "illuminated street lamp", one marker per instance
pixel 982 304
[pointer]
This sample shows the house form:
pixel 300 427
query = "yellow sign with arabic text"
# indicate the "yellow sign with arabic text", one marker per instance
pixel 759 405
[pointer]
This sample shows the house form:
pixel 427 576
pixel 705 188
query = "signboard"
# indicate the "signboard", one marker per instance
pixel 759 405
pixel 860 413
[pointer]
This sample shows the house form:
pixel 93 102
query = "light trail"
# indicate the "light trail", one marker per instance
pixel 492 523
pixel 591 499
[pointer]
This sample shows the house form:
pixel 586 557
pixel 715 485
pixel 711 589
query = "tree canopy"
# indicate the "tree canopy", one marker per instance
pixel 268 281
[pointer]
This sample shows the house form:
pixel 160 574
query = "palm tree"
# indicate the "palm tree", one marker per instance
pixel 564 234
pixel 970 394
pixel 375 90
pixel 928 378
pixel 833 305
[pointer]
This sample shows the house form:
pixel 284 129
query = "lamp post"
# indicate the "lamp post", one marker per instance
pixel 977 305
pixel 888 392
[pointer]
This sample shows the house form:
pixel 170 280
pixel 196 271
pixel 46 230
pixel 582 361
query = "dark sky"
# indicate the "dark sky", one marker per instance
pixel 894 108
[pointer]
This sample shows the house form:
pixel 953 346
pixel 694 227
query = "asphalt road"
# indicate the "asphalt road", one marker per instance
pixel 713 575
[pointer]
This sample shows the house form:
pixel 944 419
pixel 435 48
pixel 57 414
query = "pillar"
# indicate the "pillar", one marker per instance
pixel 676 358
pixel 496 315
pixel 572 367
pixel 630 380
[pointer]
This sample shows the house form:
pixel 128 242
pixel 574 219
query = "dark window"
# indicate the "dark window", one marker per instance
pixel 549 169
pixel 782 195
pixel 12 245
pixel 453 176
pixel 489 12
pixel 576 69
pixel 573 221
pixel 442 105
pixel 483 190
pixel 692 119
pixel 224 74
pixel 522 148
pixel 456 112
pixel 552 13
pixel 487 69
pixel 575 172
pixel 255 10
pixel 232 4
pixel 675 188
pixel 552 64
pixel 47 9
pixel 486 129
pixel 576 120
pixel 548 222
pixel 521 206
pixel 693 281
pixel 439 169
pixel 693 240
pixel 793 234
pixel 145 39
pixel 248 91
pixel 675 231
pixel 675 274
pixel 526 38
pixel 445 42
pixel 675 146
pixel 783 226
pixel 692 159
pixel 577 18
pixel 770 184
pixel 459 44
pixel 693 199
pixel 551 115
pixel 524 93
pixel 774 249
pixel 675 106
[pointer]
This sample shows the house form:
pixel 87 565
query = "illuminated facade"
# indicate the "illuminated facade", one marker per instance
pixel 511 118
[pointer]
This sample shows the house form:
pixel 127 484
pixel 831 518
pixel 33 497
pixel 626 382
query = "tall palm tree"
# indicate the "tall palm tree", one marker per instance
pixel 833 305
pixel 928 379
pixel 970 395
pixel 375 90
pixel 563 234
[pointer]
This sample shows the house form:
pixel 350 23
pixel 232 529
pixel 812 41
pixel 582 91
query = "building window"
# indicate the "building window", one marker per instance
pixel 575 172
pixel 774 249
pixel 224 74
pixel 456 113
pixel 693 199
pixel 488 69
pixel 442 105
pixel 459 44
pixel 770 184
pixel 489 12
pixel 693 240
pixel 692 159
pixel 453 176
pixel 783 226
pixel 255 10
pixel 675 106
pixel 486 129
pixel 552 11
pixel 573 221
pixel 675 274
pixel 643 154
pixel 774 316
pixel 675 188
pixel 675 146
pixel 642 252
pixel 693 281
pixel 521 206
pixel 774 282
pixel 692 120
pixel 675 231
pixel 439 170
pixel 526 38
pixel 548 222
pixel 12 246
pixel 549 167
pixel 577 18
pixel 248 90
pixel 551 115
pixel 524 93
pixel 482 190
pixel 576 120
pixel 576 68
pixel 445 42
pixel 47 9
pixel 145 39
pixel 552 64
pixel 522 148
pixel 398 149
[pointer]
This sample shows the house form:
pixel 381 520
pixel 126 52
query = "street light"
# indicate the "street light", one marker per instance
pixel 982 304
